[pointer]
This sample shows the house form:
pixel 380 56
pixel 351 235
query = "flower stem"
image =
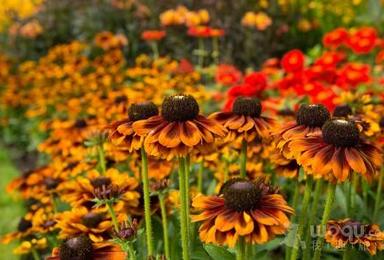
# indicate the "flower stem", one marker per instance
pixel 147 201
pixel 302 218
pixel 295 201
pixel 378 196
pixel 113 216
pixel 243 160
pixel 187 166
pixel 312 215
pixel 346 253
pixel 100 152
pixel 35 255
pixel 165 225
pixel 183 208
pixel 200 177
pixel 327 211
pixel 240 252
pixel 155 50
pixel 355 181
pixel 131 252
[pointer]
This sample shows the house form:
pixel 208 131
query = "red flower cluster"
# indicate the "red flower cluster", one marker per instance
pixel 205 32
pixel 361 40
pixel 252 86
pixel 227 75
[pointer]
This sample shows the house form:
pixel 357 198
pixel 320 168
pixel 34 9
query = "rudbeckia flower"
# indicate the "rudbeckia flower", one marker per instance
pixel 336 151
pixel 243 208
pixel 178 130
pixel 342 233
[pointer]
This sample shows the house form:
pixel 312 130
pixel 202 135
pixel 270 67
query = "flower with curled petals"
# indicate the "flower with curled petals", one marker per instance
pixel 178 130
pixel 336 152
pixel 252 210
pixel 244 122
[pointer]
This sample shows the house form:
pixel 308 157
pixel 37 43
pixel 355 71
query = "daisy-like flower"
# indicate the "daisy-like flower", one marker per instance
pixel 178 130
pixel 244 122
pixel 253 210
pixel 336 151
pixel 121 132
pixel 309 119
pixel 341 233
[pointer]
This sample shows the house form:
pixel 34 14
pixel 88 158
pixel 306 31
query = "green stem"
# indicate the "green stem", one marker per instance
pixel 165 226
pixel 113 216
pixel 346 253
pixel 155 49
pixel 187 176
pixel 327 212
pixel 100 152
pixel 240 252
pixel 200 177
pixel 295 201
pixel 131 252
pixel 35 254
pixel 378 196
pixel 302 218
pixel 183 208
pixel 147 201
pixel 312 215
pixel 355 181
pixel 243 160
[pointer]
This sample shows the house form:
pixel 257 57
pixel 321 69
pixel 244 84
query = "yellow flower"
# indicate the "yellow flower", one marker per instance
pixel 27 246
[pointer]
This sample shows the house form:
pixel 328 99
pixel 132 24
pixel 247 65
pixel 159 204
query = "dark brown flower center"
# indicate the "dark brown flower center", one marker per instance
pixel 92 220
pixel 142 111
pixel 342 111
pixel 80 123
pixel 340 132
pixel 76 248
pixel 312 115
pixel 247 106
pixel 100 181
pixel 51 183
pixel 24 225
pixel 241 194
pixel 179 108
pixel 120 99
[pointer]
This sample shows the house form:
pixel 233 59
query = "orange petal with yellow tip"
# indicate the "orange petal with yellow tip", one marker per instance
pixel 244 224
pixel 189 133
pixel 264 218
pixel 169 136
pixel 226 220
pixel 354 160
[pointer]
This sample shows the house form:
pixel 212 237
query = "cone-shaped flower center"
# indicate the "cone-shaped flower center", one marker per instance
pixel 142 111
pixel 312 115
pixel 247 106
pixel 92 220
pixel 340 132
pixel 342 111
pixel 76 248
pixel 24 225
pixel 179 108
pixel 100 181
pixel 241 194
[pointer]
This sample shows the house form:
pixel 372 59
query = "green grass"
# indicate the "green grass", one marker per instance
pixel 11 209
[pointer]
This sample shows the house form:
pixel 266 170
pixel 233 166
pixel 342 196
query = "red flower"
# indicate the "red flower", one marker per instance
pixel 153 35
pixel 335 38
pixel 293 61
pixel 227 75
pixel 330 58
pixel 185 67
pixel 353 74
pixel 380 57
pixel 199 31
pixel 363 40
pixel 256 82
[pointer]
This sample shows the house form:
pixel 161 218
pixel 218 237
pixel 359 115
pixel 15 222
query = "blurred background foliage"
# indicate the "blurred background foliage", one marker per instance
pixel 30 27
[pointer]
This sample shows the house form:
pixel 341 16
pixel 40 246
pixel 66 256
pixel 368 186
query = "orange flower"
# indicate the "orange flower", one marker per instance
pixel 260 20
pixel 309 120
pixel 153 35
pixel 336 151
pixel 227 75
pixel 253 210
pixel 178 130
pixel 341 233
pixel 121 132
pixel 293 61
pixel 244 122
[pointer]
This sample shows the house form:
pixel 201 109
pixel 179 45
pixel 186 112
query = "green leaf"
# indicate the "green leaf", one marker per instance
pixel 218 253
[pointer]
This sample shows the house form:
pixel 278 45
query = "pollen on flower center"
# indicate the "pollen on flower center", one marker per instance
pixel 92 220
pixel 247 106
pixel 179 107
pixel 314 115
pixel 342 111
pixel 240 194
pixel 340 132
pixel 142 111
